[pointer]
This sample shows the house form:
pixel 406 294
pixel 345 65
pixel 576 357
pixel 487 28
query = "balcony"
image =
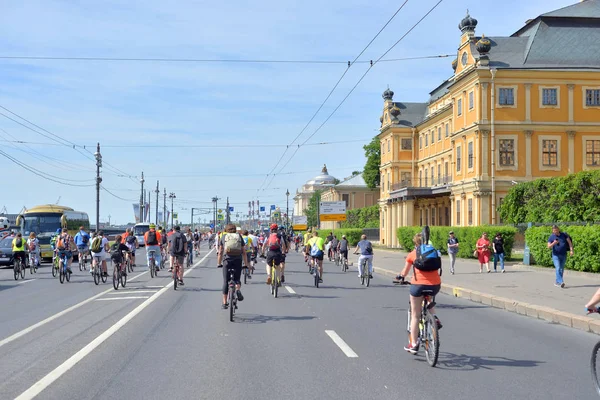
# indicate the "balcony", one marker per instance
pixel 425 187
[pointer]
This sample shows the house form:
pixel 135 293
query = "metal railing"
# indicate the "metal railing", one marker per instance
pixel 422 183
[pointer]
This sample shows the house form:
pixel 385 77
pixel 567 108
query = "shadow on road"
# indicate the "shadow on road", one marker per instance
pixel 464 362
pixel 458 307
pixel 263 319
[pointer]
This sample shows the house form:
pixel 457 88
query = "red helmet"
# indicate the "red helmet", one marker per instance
pixel 273 226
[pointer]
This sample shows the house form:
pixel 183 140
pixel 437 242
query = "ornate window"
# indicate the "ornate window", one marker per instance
pixel 406 144
pixel 447 129
pixel 550 97
pixel 549 153
pixel 592 153
pixel 592 97
pixel 471 100
pixel 507 152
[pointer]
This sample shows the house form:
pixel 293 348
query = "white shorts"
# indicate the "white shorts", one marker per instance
pixel 103 256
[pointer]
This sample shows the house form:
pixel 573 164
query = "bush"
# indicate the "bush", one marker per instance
pixel 467 237
pixel 366 217
pixel 586 240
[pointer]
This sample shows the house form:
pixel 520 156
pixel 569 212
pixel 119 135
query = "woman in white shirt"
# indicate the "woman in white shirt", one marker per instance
pixel 33 245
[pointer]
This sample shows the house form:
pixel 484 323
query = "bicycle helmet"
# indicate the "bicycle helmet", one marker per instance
pixel 274 226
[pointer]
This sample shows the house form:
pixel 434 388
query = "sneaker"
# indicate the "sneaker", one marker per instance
pixel 557 285
pixel 438 323
pixel 359 275
pixel 320 280
pixel 370 276
pixel 157 269
pixel 412 348
pixel 503 271
pixel 170 269
pixel 249 276
pixel 240 296
pixel 452 272
pixel 268 280
pixel 69 270
pixel 562 285
pixel 282 278
pixel 105 274
pixel 225 306
pixel 181 282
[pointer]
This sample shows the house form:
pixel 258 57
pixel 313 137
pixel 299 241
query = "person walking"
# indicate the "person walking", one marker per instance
pixel 498 245
pixel 483 252
pixel 452 250
pixel 559 242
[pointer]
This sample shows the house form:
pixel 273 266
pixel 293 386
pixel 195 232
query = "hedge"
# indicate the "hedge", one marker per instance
pixel 366 217
pixel 586 249
pixel 467 237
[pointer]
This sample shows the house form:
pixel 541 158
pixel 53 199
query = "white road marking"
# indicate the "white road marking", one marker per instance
pixel 133 291
pixel 148 287
pixel 28 280
pixel 57 315
pixel 289 289
pixel 122 298
pixel 47 380
pixel 341 344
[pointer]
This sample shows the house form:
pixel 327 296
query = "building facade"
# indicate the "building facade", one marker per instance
pixel 515 109
pixel 319 182
pixel 354 191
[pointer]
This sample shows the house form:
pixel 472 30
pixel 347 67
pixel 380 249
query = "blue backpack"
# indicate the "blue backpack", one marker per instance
pixel 428 258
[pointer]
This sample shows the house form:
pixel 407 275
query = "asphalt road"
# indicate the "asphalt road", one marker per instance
pixel 148 341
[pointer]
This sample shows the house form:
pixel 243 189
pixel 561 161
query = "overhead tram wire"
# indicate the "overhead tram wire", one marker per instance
pixel 118 197
pixel 330 93
pixel 373 63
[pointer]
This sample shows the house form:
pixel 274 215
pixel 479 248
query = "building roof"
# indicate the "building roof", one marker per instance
pixel 353 181
pixel 411 114
pixel 440 91
pixel 583 9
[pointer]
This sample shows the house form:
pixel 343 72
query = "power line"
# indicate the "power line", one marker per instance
pixel 114 195
pixel 373 63
pixel 330 93
pixel 208 60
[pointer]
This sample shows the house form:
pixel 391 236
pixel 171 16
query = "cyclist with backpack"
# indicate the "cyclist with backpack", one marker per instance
pixel 130 240
pixel 153 241
pixel 82 241
pixel 63 245
pixel 231 255
pixel 19 248
pixel 275 247
pixel 178 250
pixel 426 264
pixel 366 254
pixel 116 252
pixel 316 250
pixel 33 245
pixel 98 249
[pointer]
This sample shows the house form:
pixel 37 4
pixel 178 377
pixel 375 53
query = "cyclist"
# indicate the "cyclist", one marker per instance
pixel 315 244
pixel 422 280
pixel 116 252
pixel 190 240
pixel 19 248
pixel 63 244
pixel 211 239
pixel 130 240
pixel 33 245
pixel 366 253
pixel 248 245
pixel 254 249
pixel 82 241
pixel 197 241
pixel 343 247
pixel 286 245
pixel 178 250
pixel 334 246
pixel 231 255
pixel 275 248
pixel 307 238
pixel 591 305
pixel 328 241
pixel 153 240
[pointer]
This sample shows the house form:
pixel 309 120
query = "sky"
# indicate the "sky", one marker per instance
pixel 205 129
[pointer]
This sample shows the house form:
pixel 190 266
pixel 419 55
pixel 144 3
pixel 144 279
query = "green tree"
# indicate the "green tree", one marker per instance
pixel 371 173
pixel 311 211
pixel 354 173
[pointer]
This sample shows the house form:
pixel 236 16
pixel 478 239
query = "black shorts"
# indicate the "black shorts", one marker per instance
pixel 276 256
pixel 236 265
pixel 344 253
pixel 417 290
pixel 320 258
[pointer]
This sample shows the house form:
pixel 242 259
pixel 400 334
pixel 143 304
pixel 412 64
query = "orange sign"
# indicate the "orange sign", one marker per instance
pixel 332 217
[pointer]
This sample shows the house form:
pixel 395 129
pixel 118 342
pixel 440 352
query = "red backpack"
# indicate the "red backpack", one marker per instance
pixel 274 242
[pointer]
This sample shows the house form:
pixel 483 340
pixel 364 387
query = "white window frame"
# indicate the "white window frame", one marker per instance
pixel 541 165
pixel 584 90
pixel 458 168
pixel 447 129
pixel 514 167
pixel 471 100
pixel 515 89
pixel 584 140
pixel 542 105
pixel 459 107
pixel 472 167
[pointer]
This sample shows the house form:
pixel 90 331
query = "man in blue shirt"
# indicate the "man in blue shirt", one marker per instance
pixel 82 241
pixel 559 242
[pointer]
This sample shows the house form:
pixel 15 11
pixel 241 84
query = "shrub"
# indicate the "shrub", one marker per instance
pixel 467 237
pixel 586 249
pixel 366 217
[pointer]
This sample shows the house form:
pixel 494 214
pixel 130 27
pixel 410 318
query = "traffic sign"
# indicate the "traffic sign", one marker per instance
pixel 212 226
pixel 300 223
pixel 262 208
pixel 332 211
pixel 175 215
pixel 220 217
pixel 272 207
pixel 220 211
pixel 230 209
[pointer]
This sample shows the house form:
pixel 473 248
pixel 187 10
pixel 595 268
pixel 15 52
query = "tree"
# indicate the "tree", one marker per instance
pixel 354 173
pixel 371 174
pixel 311 211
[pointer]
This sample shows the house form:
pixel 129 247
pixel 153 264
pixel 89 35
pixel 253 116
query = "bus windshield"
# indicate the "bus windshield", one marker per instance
pixel 139 230
pixel 41 224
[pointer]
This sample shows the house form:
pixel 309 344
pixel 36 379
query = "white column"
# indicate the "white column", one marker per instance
pixel 528 135
pixel 528 102
pixel 571 135
pixel 571 92
pixel 484 154
pixel 484 102
pixel 394 241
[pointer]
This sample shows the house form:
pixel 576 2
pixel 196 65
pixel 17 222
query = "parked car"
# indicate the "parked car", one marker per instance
pixel 6 253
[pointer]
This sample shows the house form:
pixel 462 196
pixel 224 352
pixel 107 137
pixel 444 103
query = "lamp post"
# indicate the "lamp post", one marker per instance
pixel 172 197
pixel 98 157
pixel 287 209
pixel 142 199
pixel 193 217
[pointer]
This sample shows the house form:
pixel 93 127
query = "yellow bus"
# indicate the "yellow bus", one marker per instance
pixel 45 220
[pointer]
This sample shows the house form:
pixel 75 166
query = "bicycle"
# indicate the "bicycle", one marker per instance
pixel 365 277
pixel 343 263
pixel 97 270
pixel 119 274
pixel 128 263
pixel 176 269
pixel 337 257
pixel 63 272
pixel 188 261
pixel 315 271
pixel 595 355
pixel 82 261
pixel 32 263
pixel 18 268
pixel 232 299
pixel 163 258
pixel 55 265
pixel 428 330
pixel 275 279
pixel 152 263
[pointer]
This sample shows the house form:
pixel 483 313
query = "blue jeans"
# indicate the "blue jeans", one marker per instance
pixel 559 264
pixel 191 254
pixel 499 256
pixel 156 249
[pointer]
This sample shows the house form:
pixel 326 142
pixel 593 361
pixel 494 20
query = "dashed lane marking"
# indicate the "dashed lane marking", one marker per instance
pixel 341 344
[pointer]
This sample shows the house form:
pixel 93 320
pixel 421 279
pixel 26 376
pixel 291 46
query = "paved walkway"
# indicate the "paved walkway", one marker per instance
pixel 522 289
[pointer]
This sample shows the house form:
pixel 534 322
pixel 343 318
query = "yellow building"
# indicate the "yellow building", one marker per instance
pixel 516 108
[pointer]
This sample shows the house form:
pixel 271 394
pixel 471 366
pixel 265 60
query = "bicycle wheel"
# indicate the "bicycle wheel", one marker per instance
pixel 31 265
pixel 175 278
pixel 123 279
pixel 152 269
pixel 231 304
pixel 16 266
pixel 594 366
pixel 54 267
pixel 432 340
pixel 367 278
pixel 61 274
pixel 97 275
pixel 80 261
pixel 317 276
pixel 116 277
pixel 272 280
pixel 276 292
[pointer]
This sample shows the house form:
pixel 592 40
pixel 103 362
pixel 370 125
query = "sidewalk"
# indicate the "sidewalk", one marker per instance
pixel 522 289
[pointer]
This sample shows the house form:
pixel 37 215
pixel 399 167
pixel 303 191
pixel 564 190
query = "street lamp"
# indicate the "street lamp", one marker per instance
pixel 172 197
pixel 98 157
pixel 142 215
pixel 287 208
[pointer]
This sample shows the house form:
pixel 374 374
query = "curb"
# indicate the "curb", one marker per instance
pixel 583 323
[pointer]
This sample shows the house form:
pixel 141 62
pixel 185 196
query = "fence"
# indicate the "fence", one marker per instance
pixel 372 234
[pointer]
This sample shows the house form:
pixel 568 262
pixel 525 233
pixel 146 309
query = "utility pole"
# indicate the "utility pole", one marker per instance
pixel 287 209
pixel 149 205
pixel 227 219
pixel 142 198
pixel 172 197
pixel 156 216
pixel 98 180
pixel 165 208
pixel 108 219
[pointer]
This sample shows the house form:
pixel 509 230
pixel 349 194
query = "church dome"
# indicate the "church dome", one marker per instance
pixel 323 179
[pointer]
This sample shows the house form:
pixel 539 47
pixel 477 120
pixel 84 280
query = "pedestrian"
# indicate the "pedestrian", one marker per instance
pixel 558 242
pixel 483 252
pixel 498 251
pixel 452 250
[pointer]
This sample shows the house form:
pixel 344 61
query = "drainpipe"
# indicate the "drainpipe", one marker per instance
pixel 415 144
pixel 493 131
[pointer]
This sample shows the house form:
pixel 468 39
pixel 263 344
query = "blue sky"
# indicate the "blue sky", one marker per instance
pixel 199 104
